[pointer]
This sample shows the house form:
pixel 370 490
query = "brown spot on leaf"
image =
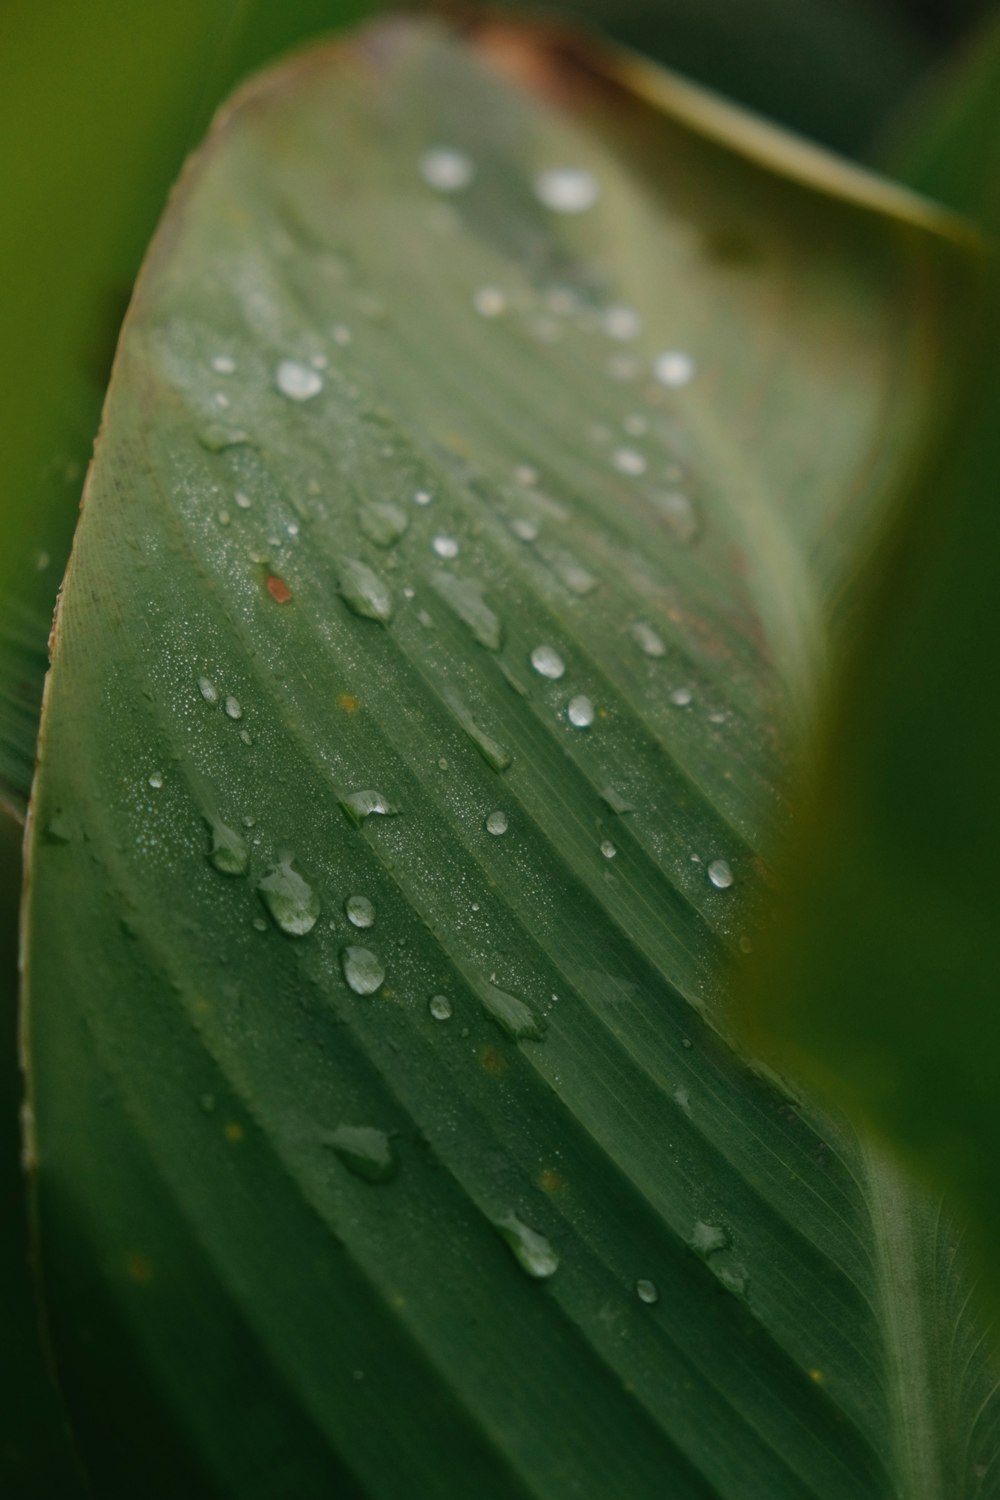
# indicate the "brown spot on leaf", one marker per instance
pixel 493 1061
pixel 348 703
pixel 278 589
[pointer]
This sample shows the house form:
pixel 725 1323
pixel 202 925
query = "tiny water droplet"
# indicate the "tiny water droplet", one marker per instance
pixel 678 513
pixel 706 1239
pixel 532 1251
pixel 260 924
pixel 647 639
pixel 496 823
pixel 216 437
pixel 608 849
pixel 243 501
pixel 360 911
pixel 622 323
pixel 440 1007
pixel 489 301
pixel 494 754
pixel 233 708
pixel 646 1291
pixel 366 803
pixel 229 852
pixel 156 780
pixel 524 529
pixel 681 697
pixel 446 169
pixel 364 592
pixel 422 497
pixel 341 335
pixel 445 547
pixel 629 461
pixel 547 662
pixel 465 597
pixel 526 474
pixel 297 381
pixel 673 368
pixel 223 364
pixel 363 970
pixel 291 901
pixel 382 522
pixel 720 874
pixel 512 1014
pixel 580 712
pixel 616 802
pixel 567 190
pixel 365 1151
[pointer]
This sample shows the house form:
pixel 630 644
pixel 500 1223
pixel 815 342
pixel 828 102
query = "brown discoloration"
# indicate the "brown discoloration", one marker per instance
pixel 551 1181
pixel 139 1268
pixel 348 703
pixel 492 1061
pixel 278 589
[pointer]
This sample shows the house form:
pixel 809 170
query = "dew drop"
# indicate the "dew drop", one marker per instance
pixel 382 522
pixel 532 1251
pixel 622 323
pixel 496 823
pixel 465 597
pixel 629 461
pixel 363 970
pixel 229 852
pixel 512 1014
pixel 647 639
pixel 446 169
pixel 608 849
pixel 243 501
pixel 494 754
pixel 445 547
pixel 223 364
pixel 365 804
pixel 290 900
pixel 156 780
pixel 360 911
pixel 617 803
pixel 524 529
pixel 706 1239
pixel 440 1007
pixel 233 708
pixel 567 190
pixel 422 497
pixel 646 1291
pixel 720 874
pixel 580 712
pixel 489 301
pixel 364 592
pixel 681 697
pixel 365 1151
pixel 297 381
pixel 547 662
pixel 673 368
pixel 678 513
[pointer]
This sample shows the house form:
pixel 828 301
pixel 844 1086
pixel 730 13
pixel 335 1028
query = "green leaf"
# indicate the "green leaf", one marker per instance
pixel 604 1257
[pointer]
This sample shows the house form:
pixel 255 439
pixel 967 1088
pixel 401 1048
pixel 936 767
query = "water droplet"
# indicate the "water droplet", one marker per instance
pixel 580 712
pixel 364 804
pixel 734 1279
pixel 422 497
pixel 291 901
pixel 233 708
pixel 217 437
pixel 156 780
pixel 512 1015
pixel 243 501
pixel 229 852
pixel 496 823
pixel 674 369
pixel 720 874
pixel 363 970
pixel 446 169
pixel 706 1239
pixel 679 514
pixel 608 849
pixel 365 1151
pixel 445 546
pixel 360 911
pixel 489 301
pixel 526 474
pixel 547 662
pixel 629 461
pixel 524 529
pixel 578 579
pixel 646 1291
pixel 465 597
pixel 567 190
pixel 532 1251
pixel 297 381
pixel 382 522
pixel 440 1007
pixel 223 364
pixel 647 639
pixel 364 592
pixel 494 754
pixel 681 697
pixel 622 323
pixel 616 802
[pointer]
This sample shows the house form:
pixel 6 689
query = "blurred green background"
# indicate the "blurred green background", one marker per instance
pixel 99 104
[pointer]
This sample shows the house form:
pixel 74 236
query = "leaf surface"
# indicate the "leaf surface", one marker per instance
pixel 447 596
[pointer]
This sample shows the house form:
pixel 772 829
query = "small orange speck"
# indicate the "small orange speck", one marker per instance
pixel 552 1181
pixel 233 1131
pixel 278 589
pixel 139 1268
pixel 817 1376
pixel 349 703
pixel 493 1061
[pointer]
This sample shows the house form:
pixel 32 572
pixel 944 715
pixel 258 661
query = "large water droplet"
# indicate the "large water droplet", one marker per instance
pixel 580 712
pixel 706 1239
pixel 445 547
pixel 647 639
pixel 382 522
pixel 360 911
pixel 547 662
pixel 291 901
pixel 364 592
pixel 297 381
pixel 465 597
pixel 673 368
pixel 567 190
pixel 512 1015
pixel 233 708
pixel 608 849
pixel 365 1151
pixel 646 1291
pixel 208 690
pixel 446 169
pixel 496 823
pixel 364 804
pixel 229 853
pixel 440 1007
pixel 156 780
pixel 362 969
pixel 720 874
pixel 532 1251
